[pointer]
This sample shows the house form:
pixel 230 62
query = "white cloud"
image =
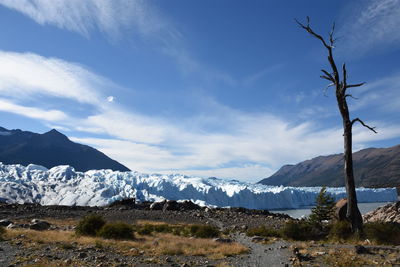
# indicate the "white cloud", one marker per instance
pixel 385 132
pixel 117 19
pixel 244 145
pixel 31 112
pixel 381 94
pixel 372 24
pixel 27 75
pixel 112 17
pixel 250 80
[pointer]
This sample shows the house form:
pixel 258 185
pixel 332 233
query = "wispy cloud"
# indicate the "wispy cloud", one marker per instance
pixel 32 112
pixel 112 18
pixel 372 24
pixel 245 144
pixel 116 19
pixel 381 94
pixel 255 77
pixel 24 75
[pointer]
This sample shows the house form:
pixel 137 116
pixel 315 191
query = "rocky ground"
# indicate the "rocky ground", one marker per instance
pixel 387 213
pixel 23 247
pixel 169 212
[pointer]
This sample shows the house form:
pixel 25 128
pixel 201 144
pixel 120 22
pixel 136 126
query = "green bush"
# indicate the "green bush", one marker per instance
pixel 163 228
pixel 116 230
pixel 204 231
pixel 146 229
pixel 2 232
pixel 90 225
pixel 263 231
pixel 302 230
pixel 383 233
pixel 340 230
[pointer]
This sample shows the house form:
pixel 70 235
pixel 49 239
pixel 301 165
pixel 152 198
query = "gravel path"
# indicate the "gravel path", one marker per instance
pixel 274 254
pixel 7 253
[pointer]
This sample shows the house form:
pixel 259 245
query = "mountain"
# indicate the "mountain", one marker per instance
pixel 51 149
pixel 63 185
pixel 373 167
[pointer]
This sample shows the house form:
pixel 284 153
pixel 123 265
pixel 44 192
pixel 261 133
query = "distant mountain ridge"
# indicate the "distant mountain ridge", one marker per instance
pixel 51 149
pixel 373 167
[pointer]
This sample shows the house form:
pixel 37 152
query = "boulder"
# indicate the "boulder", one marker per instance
pixel 340 209
pixel 189 205
pixel 157 205
pixel 39 225
pixel 5 222
pixel 171 205
pixel 361 250
pixel 126 202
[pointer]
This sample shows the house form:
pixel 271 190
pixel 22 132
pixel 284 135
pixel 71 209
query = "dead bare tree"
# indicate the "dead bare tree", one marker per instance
pixel 353 213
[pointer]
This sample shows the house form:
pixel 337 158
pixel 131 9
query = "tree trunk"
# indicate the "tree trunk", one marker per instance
pixel 353 213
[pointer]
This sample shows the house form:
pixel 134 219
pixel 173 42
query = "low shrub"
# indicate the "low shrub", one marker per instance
pixel 201 231
pixel 340 230
pixel 204 231
pixel 263 231
pixel 383 233
pixel 146 229
pixel 302 230
pixel 90 225
pixel 116 230
pixel 163 228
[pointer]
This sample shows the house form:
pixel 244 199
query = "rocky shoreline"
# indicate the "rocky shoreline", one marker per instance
pixel 388 213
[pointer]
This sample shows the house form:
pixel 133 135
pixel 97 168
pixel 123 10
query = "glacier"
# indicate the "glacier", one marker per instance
pixel 62 185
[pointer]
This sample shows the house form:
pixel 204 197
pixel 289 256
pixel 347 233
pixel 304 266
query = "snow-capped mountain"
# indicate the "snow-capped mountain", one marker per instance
pixel 62 185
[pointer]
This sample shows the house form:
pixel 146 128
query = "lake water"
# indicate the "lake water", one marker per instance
pixel 298 213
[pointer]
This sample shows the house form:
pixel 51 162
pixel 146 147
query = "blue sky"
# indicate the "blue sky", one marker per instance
pixel 208 88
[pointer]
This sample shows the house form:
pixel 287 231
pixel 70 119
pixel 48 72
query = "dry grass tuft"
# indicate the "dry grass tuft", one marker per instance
pixel 157 244
pixel 169 244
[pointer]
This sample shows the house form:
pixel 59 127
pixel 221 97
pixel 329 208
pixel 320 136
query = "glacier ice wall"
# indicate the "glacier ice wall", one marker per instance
pixel 62 185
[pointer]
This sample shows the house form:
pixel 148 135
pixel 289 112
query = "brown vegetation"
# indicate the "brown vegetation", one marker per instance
pixel 156 244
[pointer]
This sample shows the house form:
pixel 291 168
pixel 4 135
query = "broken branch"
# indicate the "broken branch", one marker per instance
pixel 363 124
pixel 355 85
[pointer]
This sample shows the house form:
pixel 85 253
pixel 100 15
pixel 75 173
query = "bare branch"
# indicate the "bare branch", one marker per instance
pixel 349 95
pixel 328 47
pixel 327 78
pixel 363 124
pixel 309 30
pixel 327 87
pixel 329 75
pixel 331 39
pixel 355 85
